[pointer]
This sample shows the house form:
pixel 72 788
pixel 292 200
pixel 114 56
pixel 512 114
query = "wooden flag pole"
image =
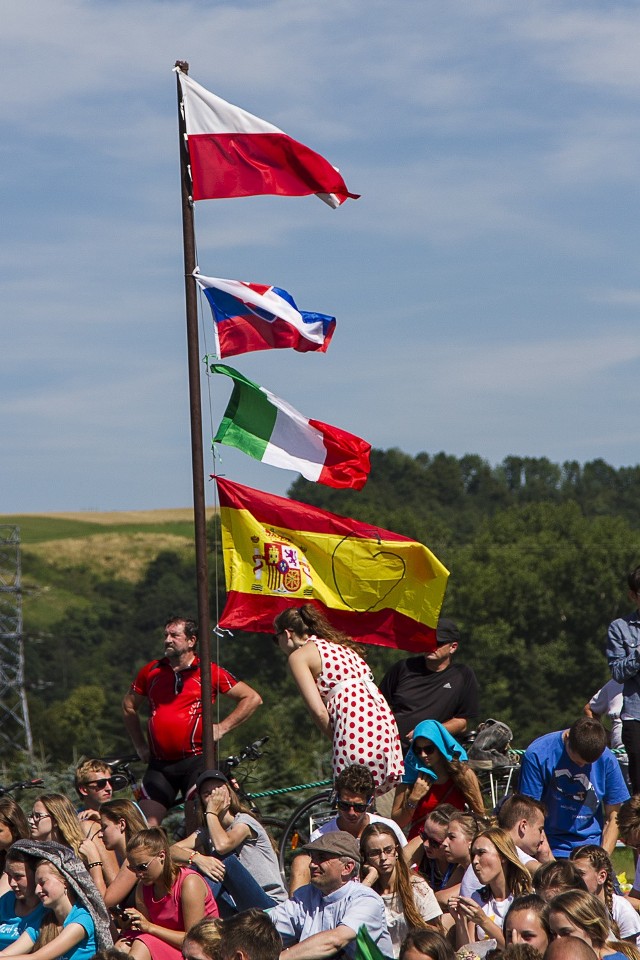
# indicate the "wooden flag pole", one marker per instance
pixel 197 457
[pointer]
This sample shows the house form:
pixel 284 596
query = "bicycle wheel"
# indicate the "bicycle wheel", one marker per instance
pixel 306 818
pixel 275 829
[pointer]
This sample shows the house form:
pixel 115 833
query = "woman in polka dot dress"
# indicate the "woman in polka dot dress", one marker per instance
pixel 337 686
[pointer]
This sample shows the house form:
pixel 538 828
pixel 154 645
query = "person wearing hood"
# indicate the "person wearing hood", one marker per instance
pixel 66 889
pixel 435 772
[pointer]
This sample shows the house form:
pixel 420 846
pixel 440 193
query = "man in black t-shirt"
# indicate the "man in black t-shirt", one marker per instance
pixel 431 687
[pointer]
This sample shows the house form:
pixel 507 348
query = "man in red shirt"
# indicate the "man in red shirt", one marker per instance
pixel 173 689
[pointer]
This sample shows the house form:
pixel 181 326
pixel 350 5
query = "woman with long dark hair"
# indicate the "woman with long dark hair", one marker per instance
pixel 120 820
pixel 338 689
pixel 409 901
pixel 436 772
pixel 13 826
pixel 227 831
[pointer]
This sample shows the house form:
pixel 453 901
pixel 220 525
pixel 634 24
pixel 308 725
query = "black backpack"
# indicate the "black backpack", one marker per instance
pixel 491 744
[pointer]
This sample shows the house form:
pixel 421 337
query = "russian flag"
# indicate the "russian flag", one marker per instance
pixel 253 316
pixel 234 154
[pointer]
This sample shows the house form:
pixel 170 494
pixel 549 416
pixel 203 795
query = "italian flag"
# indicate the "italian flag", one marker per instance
pixel 269 429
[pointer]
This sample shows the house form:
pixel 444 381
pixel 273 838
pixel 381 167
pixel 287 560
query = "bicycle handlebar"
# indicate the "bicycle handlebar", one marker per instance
pixel 21 785
pixel 251 752
pixel 120 760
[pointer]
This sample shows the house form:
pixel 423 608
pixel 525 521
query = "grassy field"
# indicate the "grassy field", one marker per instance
pixel 58 549
pixel 37 528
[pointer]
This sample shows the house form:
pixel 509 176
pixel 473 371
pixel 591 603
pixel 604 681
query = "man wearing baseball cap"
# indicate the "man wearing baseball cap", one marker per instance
pixel 431 687
pixel 322 919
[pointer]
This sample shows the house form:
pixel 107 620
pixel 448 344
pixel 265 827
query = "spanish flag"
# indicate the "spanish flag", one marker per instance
pixel 375 585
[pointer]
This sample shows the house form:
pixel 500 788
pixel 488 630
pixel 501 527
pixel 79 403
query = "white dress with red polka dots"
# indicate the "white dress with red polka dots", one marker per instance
pixel 364 729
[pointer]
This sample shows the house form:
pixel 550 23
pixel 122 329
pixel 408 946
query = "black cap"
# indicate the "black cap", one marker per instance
pixel 447 631
pixel 211 775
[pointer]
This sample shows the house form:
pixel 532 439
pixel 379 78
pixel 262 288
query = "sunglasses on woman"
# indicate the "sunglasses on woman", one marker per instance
pixel 430 840
pixel 142 867
pixel 425 748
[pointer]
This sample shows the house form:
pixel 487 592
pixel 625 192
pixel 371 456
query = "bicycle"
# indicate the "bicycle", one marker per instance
pixel 123 777
pixel 311 814
pixel 252 752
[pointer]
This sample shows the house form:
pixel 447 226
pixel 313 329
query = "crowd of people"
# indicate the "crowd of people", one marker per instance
pixel 411 866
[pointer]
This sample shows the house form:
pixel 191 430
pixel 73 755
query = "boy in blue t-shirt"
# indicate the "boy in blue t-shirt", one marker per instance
pixel 580 783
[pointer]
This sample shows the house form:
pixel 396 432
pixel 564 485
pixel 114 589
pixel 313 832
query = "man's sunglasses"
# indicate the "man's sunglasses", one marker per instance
pixel 356 807
pixel 99 784
pixel 118 782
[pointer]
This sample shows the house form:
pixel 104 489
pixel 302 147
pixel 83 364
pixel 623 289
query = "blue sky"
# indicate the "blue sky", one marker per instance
pixel 486 285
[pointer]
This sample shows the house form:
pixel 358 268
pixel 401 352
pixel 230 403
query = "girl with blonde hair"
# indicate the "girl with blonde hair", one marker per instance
pixel 577 913
pixel 594 866
pixel 54 818
pixel 462 830
pixel 497 866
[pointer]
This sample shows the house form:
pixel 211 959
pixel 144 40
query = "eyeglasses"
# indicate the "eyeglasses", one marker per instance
pixel 356 807
pixel 99 784
pixel 142 867
pixel 425 748
pixel 37 817
pixel 430 841
pixel 178 680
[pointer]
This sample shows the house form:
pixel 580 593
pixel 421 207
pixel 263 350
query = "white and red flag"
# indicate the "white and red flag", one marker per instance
pixel 234 154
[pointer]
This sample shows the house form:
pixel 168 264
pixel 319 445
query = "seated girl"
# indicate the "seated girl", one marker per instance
pixel 227 828
pixel 169 900
pixel 409 901
pixel 20 907
pixel 496 863
pixel 54 818
pixel 435 772
pixel 120 820
pixel 75 924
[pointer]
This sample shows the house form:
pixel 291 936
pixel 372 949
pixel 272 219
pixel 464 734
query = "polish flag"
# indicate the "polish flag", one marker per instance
pixel 234 154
